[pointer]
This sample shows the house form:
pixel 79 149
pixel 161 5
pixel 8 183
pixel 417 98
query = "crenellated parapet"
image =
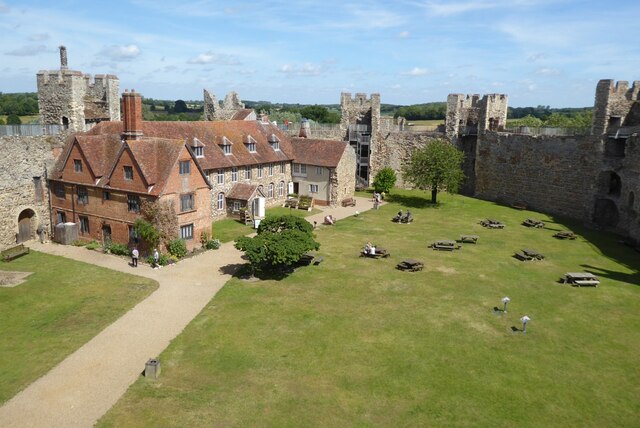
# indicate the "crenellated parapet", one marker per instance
pixel 616 105
pixel 472 115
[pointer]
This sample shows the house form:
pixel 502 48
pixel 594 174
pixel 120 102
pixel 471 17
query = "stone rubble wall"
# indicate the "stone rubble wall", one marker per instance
pixel 23 159
pixel 214 110
pixel 613 100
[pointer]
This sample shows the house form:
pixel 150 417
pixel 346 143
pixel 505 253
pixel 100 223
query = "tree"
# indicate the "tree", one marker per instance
pixel 162 216
pixel 180 107
pixel 279 243
pixel 13 119
pixel 384 180
pixel 437 166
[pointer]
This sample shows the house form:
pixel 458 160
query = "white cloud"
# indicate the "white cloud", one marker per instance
pixel 28 50
pixel 548 71
pixel 121 53
pixel 452 7
pixel 403 34
pixel 536 57
pixel 416 71
pixel 39 37
pixel 213 58
pixel 306 69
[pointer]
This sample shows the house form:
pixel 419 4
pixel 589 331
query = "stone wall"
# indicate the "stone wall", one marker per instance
pixel 549 174
pixel 214 110
pixel 23 185
pixel 343 178
pixel 614 101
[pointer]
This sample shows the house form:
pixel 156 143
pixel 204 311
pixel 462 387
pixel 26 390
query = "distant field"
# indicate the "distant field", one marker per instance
pixel 434 122
pixel 355 342
pixel 25 119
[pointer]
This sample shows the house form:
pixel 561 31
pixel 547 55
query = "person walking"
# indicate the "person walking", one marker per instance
pixel 134 257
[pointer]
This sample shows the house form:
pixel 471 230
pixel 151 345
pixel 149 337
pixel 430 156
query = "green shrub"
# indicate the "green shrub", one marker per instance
pixel 118 249
pixel 93 245
pixel 213 244
pixel 204 238
pixel 178 248
pixel 163 259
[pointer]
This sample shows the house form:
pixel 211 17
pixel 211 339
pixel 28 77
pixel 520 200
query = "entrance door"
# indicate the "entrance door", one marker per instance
pixel 24 226
pixel 106 234
pixel 296 188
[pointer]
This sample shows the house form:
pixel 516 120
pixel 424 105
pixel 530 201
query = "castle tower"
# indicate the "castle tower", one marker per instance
pixel 615 106
pixel 213 110
pixel 72 100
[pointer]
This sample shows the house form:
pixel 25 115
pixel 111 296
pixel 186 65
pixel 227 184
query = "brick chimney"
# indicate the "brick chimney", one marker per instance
pixel 131 115
pixel 305 129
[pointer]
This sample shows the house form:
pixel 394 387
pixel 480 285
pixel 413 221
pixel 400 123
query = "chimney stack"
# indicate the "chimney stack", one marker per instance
pixel 131 115
pixel 63 58
pixel 305 129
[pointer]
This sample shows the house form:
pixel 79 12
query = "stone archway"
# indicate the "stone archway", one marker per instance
pixel 605 213
pixel 26 225
pixel 609 183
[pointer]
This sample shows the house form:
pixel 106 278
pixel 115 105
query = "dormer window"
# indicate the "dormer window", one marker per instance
pixel 275 142
pixel 226 146
pixel 77 165
pixel 251 144
pixel 198 148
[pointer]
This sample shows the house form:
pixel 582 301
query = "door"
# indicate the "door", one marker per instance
pixel 106 234
pixel 24 226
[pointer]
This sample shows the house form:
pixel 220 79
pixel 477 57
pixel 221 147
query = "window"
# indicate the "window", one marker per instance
pixel 106 195
pixel 236 206
pixel 83 195
pixel 84 224
pixel 283 167
pixel 234 174
pixel 185 167
pixel 199 151
pixel 61 217
pixel 260 167
pixel 303 169
pixel 128 173
pixel 275 142
pixel 270 169
pixel 318 170
pixel 251 144
pixel 313 188
pixel 133 235
pixel 77 165
pixel 221 201
pixel 247 172
pixel 296 168
pixel 299 169
pixel 221 176
pixel 270 190
pixel 58 189
pixel 281 189
pixel 186 202
pixel 226 148
pixel 133 203
pixel 186 231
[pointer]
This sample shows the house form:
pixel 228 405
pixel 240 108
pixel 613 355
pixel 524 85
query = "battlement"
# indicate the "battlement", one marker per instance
pixel 614 102
pixel 472 115
pixel 69 77
pixel 360 99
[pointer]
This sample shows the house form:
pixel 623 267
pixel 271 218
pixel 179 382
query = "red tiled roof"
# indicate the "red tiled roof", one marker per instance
pixel 242 192
pixel 325 153
pixel 211 135
pixel 242 114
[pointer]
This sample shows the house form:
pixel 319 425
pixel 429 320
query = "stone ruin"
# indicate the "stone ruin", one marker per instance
pixel 215 110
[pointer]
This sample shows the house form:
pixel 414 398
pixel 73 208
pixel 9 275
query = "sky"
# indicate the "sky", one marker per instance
pixel 538 52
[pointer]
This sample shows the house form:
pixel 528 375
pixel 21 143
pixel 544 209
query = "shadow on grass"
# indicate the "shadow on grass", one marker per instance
pixel 411 201
pixel 628 278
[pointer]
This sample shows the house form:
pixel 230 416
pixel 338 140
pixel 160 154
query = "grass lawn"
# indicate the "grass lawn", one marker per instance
pixel 26 120
pixel 430 122
pixel 60 306
pixel 355 342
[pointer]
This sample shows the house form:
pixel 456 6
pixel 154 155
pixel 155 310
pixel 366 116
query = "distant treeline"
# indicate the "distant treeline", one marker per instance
pixel 20 104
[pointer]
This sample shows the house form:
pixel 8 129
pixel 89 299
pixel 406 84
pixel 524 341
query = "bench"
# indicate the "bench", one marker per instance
pixel 469 239
pixel 349 202
pixel 580 279
pixel 492 224
pixel 522 256
pixel 532 222
pixel 14 252
pixel 445 246
pixel 318 260
pixel 565 235
pixel 410 265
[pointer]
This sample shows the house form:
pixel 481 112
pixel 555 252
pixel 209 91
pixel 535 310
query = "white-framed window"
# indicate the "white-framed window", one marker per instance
pixel 128 173
pixel 275 142
pixel 220 201
pixel 283 167
pixel 313 188
pixel 319 170
pixel 186 231
pixel 270 169
pixel 199 151
pixel 220 176
pixel 234 174
pixel 270 194
pixel 226 146
pixel 247 172
pixel 236 206
pixel 251 144
pixel 281 189
pixel 260 168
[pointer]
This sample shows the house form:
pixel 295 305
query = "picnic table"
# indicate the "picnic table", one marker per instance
pixel 445 245
pixel 580 279
pixel 379 253
pixel 492 224
pixel 532 222
pixel 565 234
pixel 469 239
pixel 528 254
pixel 410 265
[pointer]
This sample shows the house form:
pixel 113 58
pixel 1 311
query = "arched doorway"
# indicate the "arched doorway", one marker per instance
pixel 26 221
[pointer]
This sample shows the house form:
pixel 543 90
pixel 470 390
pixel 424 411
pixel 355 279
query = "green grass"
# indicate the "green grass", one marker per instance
pixel 432 122
pixel 354 342
pixel 60 306
pixel 26 120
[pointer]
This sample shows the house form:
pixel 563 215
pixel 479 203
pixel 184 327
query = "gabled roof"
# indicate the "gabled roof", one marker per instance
pixel 211 134
pixel 243 192
pixel 325 153
pixel 242 114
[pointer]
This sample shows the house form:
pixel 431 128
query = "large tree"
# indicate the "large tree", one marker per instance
pixel 436 167
pixel 280 242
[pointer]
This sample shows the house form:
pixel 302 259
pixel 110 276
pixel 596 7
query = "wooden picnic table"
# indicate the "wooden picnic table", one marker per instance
pixel 469 239
pixel 580 279
pixel 565 234
pixel 532 222
pixel 445 245
pixel 411 265
pixel 533 253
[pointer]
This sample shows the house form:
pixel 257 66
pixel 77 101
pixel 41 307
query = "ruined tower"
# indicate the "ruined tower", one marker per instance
pixel 360 125
pixel 472 115
pixel 214 110
pixel 72 100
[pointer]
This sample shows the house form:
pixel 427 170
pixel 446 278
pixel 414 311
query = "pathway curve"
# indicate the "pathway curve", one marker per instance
pixel 84 386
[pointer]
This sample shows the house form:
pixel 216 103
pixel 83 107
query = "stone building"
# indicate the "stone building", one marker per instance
pixel 230 108
pixel 73 100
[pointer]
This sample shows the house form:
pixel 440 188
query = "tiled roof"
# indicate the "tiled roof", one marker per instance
pixel 211 135
pixel 242 192
pixel 325 153
pixel 94 110
pixel 242 114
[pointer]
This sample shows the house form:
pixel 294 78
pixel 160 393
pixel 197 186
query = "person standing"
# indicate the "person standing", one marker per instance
pixel 134 257
pixel 156 257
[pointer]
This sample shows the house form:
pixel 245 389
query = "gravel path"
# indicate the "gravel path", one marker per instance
pixel 84 386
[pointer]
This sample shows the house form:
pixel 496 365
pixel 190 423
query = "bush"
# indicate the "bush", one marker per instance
pixel 178 248
pixel 118 249
pixel 163 259
pixel 93 245
pixel 213 244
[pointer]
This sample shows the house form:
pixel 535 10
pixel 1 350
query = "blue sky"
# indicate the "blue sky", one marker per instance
pixel 539 52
